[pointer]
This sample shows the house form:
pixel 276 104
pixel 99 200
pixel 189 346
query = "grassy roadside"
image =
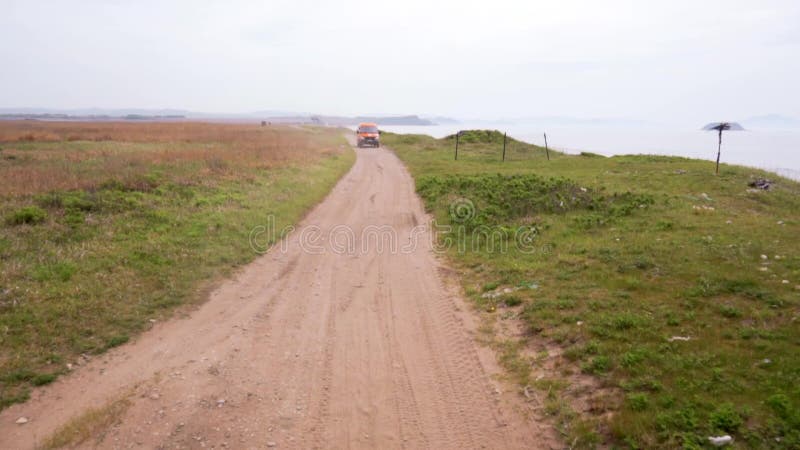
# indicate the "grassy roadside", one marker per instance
pixel 104 230
pixel 656 304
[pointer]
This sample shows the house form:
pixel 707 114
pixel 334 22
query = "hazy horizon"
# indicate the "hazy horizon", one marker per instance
pixel 679 62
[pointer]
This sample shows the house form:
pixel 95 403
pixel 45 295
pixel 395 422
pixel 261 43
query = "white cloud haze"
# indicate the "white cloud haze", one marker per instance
pixel 676 61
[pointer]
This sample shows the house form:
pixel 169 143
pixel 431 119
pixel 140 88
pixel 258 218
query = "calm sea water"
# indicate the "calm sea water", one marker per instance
pixel 774 150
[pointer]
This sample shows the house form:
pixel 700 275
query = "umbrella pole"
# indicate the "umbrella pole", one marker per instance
pixel 719 149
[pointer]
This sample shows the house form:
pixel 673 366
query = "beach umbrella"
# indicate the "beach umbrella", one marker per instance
pixel 722 126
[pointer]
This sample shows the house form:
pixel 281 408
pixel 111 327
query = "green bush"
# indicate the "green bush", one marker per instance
pixel 632 358
pixel 496 200
pixel 684 419
pixel 729 311
pixel 480 137
pixel 50 200
pixel 726 418
pixel 74 218
pixel 80 202
pixel 61 271
pixel 782 406
pixel 19 375
pixel 598 365
pixel 29 215
pixel 43 378
pixel 490 286
pixel 638 401
pixel 625 321
pixel 118 340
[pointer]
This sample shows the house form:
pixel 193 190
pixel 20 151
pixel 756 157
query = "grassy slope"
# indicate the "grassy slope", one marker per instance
pixel 106 260
pixel 610 279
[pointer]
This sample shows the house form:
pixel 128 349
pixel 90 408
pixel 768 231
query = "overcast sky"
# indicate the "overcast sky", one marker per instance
pixel 684 61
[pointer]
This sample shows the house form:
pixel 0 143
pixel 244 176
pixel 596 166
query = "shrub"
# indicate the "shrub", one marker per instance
pixel 74 218
pixel 632 358
pixel 495 200
pixel 43 378
pixel 783 408
pixel 598 365
pixel 490 286
pixel 18 375
pixel 684 419
pixel 730 312
pixel 112 184
pixel 592 347
pixel 638 401
pixel 664 225
pixel 480 136
pixel 118 340
pixel 625 321
pixel 61 271
pixel 726 418
pixel 29 215
pixel 50 200
pixel 79 202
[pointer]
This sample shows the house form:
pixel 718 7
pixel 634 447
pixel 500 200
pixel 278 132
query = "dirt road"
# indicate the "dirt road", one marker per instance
pixel 314 345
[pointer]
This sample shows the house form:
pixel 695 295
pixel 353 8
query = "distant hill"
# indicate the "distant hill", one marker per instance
pixel 275 116
pixel 439 120
pixel 395 120
pixel 347 121
pixel 87 118
pixel 563 121
pixel 775 121
pixel 89 112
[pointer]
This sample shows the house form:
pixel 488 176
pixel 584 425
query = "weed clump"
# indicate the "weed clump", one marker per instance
pixel 43 378
pixel 598 365
pixel 638 401
pixel 726 418
pixel 117 340
pixel 512 300
pixel 62 271
pixel 27 215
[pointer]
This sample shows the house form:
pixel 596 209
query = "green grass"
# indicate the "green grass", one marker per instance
pixel 85 270
pixel 608 259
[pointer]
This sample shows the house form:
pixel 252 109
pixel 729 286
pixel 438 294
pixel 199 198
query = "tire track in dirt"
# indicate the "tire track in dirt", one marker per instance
pixel 409 425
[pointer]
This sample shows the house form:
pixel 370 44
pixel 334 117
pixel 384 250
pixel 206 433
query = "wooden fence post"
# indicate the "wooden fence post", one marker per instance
pixel 504 146
pixel 546 149
pixel 457 135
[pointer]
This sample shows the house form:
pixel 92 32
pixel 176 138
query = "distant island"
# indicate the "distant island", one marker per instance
pixel 382 120
pixel 87 118
pixel 98 114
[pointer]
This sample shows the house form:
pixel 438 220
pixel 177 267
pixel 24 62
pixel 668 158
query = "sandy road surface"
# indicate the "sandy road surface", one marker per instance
pixel 306 349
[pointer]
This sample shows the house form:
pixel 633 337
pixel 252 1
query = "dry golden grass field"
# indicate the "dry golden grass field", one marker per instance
pixel 42 156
